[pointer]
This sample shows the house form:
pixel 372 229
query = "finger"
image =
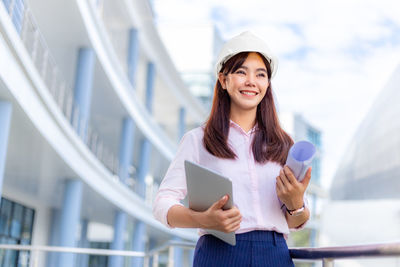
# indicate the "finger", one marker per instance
pixel 289 174
pixel 234 227
pixel 220 203
pixel 232 212
pixel 307 177
pixel 284 180
pixel 234 219
pixel 281 175
pixel 279 184
pixel 231 226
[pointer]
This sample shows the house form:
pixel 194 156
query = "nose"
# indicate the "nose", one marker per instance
pixel 250 81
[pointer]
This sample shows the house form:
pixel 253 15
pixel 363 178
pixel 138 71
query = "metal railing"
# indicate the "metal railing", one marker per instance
pixel 169 247
pixel 36 250
pixel 325 254
pixel 329 254
pixel 59 89
pixel 114 36
pixel 34 259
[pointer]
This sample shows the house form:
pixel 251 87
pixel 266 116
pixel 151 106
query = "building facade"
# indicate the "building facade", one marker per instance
pixel 91 112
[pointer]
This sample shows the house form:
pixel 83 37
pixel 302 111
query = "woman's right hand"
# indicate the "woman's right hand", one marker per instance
pixel 222 220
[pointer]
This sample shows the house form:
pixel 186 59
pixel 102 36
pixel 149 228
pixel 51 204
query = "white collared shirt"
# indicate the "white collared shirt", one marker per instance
pixel 253 184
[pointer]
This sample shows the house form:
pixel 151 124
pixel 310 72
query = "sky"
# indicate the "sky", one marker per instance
pixel 334 56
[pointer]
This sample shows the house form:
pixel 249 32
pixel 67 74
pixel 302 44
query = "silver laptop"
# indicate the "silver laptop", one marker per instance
pixel 205 187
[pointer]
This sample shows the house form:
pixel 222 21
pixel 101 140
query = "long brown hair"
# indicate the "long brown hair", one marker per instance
pixel 271 142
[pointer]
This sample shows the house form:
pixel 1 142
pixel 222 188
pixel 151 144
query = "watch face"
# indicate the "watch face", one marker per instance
pixel 296 212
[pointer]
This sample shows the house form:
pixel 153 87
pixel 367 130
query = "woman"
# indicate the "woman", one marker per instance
pixel 243 141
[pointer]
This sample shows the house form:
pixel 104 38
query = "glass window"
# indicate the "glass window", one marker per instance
pixel 2 251
pixel 23 259
pixel 10 256
pixel 5 216
pixel 27 225
pixel 96 260
pixel 16 221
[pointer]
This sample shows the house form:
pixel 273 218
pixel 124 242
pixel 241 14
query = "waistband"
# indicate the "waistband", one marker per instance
pixel 260 235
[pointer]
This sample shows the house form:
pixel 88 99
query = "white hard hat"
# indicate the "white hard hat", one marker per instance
pixel 245 42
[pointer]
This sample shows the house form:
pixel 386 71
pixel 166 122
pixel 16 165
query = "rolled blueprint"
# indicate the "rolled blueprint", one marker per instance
pixel 300 157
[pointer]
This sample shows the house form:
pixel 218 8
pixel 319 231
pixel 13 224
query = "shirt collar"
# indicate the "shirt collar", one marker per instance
pixel 240 129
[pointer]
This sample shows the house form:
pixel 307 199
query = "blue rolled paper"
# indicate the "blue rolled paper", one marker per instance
pixel 300 157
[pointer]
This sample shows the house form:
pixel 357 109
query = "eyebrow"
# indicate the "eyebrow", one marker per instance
pixel 259 69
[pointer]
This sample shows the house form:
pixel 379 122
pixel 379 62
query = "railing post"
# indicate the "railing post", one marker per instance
pixel 155 260
pixel 11 8
pixel 99 4
pixel 75 117
pixel 146 261
pixel 171 256
pixel 94 143
pixel 25 27
pixel 81 128
pixel 53 82
pixel 35 44
pixel 69 107
pixel 34 258
pixel 44 66
pixel 60 92
pixel 327 262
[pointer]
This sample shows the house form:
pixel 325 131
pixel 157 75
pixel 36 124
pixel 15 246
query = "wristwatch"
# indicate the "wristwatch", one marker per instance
pixel 296 212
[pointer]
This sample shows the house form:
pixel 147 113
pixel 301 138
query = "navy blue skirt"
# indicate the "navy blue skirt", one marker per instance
pixel 255 248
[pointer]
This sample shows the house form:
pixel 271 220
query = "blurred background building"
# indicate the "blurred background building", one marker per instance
pixel 195 66
pixel 91 111
pixel 364 204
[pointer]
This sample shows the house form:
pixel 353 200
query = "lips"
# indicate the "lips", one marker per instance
pixel 248 93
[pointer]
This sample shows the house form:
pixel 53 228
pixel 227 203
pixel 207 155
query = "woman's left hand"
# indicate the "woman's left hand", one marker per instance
pixel 289 190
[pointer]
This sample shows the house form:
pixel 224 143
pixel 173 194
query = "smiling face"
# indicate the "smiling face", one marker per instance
pixel 246 85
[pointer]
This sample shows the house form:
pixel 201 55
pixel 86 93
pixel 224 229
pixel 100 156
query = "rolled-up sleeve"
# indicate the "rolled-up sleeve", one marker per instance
pixel 173 187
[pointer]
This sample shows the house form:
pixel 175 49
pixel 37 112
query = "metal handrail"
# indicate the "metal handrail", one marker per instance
pixel 325 254
pixel 389 249
pixel 34 250
pixel 329 254
pixel 169 246
pixel 89 251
